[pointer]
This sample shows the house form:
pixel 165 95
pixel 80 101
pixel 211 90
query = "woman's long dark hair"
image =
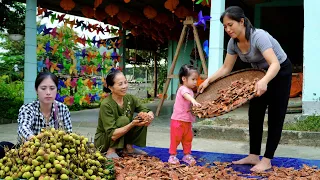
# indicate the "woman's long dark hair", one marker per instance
pixel 236 13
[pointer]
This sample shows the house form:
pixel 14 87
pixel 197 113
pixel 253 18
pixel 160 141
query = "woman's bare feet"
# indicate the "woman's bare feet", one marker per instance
pixel 250 159
pixel 263 165
pixel 131 150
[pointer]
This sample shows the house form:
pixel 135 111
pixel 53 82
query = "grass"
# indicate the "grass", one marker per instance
pixel 311 123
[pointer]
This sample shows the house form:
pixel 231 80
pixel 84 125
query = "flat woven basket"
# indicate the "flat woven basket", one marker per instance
pixel 211 92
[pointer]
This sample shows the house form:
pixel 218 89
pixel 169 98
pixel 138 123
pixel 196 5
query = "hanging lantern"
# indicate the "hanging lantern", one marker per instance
pixel 181 12
pixel 127 1
pixel 171 5
pixel 100 15
pixel 87 12
pixel 123 16
pixel 135 19
pixel 97 3
pixel 67 5
pixel 113 21
pixel 149 12
pixel 112 9
pixel 161 18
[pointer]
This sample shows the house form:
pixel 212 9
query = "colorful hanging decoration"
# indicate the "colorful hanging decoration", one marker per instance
pixel 202 20
pixel 149 12
pixel 67 5
pixel 41 10
pixel 206 48
pixel 70 59
pixel 123 16
pixel 112 9
pixel 126 1
pixel 201 1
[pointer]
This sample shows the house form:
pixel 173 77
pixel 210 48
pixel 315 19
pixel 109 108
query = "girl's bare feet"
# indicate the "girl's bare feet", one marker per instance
pixel 263 165
pixel 250 159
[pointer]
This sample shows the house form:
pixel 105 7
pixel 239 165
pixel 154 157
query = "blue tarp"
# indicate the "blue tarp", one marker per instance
pixel 210 157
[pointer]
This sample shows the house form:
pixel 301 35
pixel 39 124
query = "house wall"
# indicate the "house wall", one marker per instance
pixel 183 58
pixel 311 61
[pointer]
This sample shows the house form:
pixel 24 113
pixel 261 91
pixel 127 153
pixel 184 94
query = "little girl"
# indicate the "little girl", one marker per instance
pixel 182 119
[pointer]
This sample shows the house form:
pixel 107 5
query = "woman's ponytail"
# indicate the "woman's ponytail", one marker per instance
pixel 249 27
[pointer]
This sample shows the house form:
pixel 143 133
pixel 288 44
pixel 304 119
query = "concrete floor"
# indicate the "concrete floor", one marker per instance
pixel 85 122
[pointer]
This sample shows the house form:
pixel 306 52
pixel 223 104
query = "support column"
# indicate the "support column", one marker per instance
pixel 30 52
pixel 122 52
pixel 311 64
pixel 155 75
pixel 216 37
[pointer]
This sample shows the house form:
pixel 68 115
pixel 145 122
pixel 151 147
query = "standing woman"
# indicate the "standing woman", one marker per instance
pixel 259 48
pixel 116 128
pixel 41 113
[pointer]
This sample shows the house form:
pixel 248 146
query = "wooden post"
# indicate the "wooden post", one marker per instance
pixel 203 61
pixel 187 22
pixel 155 75
pixel 166 86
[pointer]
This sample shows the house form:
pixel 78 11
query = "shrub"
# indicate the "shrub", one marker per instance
pixel 11 98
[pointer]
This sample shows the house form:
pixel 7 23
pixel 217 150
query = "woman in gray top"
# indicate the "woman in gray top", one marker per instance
pixel 259 48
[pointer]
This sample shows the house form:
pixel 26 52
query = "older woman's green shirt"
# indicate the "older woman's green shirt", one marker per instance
pixel 112 116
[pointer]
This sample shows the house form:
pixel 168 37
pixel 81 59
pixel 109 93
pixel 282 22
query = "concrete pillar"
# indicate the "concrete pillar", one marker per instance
pixel 311 63
pixel 30 63
pixel 216 37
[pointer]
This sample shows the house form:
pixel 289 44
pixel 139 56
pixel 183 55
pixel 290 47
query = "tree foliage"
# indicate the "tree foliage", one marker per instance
pixel 12 16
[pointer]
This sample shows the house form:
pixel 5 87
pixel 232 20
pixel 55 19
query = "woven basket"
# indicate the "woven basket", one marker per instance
pixel 211 92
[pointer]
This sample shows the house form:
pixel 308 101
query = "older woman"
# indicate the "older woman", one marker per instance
pixel 116 128
pixel 41 113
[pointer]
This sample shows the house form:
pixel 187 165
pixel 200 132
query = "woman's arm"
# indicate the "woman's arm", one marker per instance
pixel 225 69
pixel 139 107
pixel 274 67
pixel 25 117
pixel 66 118
pixel 109 123
pixel 119 132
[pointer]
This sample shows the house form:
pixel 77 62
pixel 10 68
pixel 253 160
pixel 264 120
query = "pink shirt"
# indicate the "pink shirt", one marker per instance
pixel 181 108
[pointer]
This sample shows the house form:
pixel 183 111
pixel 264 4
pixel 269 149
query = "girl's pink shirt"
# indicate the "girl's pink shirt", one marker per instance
pixel 181 108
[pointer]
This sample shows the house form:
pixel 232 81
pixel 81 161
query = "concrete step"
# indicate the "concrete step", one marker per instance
pixel 241 133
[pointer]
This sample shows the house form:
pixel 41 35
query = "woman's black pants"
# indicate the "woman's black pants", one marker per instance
pixel 276 100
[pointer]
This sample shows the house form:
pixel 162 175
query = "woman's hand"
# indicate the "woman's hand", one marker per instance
pixel 139 123
pixel 150 113
pixel 261 87
pixel 203 86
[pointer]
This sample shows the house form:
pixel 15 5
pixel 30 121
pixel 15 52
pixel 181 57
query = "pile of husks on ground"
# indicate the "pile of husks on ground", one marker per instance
pixel 144 167
pixel 54 154
pixel 235 94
